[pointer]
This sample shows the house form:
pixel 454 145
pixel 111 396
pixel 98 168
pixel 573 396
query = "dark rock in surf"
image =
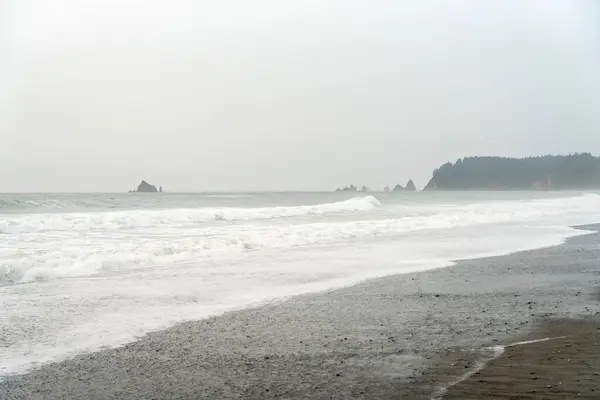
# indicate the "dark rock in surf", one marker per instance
pixel 145 187
pixel 350 188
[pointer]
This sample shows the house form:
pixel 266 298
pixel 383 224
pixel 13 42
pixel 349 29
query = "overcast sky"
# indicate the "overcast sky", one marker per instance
pixel 96 95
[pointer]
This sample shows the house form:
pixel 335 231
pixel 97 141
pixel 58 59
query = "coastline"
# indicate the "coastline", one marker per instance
pixel 391 337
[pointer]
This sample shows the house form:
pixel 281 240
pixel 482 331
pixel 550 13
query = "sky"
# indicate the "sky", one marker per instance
pixel 236 95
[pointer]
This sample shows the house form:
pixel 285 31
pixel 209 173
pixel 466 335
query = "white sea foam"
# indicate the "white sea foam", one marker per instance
pixel 119 220
pixel 48 246
pixel 78 282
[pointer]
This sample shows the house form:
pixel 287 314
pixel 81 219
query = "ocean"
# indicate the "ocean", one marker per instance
pixel 83 272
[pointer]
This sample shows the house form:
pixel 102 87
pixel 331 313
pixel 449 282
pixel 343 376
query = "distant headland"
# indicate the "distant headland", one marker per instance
pixel 574 171
pixel 145 187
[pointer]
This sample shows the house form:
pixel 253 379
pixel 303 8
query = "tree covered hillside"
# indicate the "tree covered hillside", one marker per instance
pixel 575 171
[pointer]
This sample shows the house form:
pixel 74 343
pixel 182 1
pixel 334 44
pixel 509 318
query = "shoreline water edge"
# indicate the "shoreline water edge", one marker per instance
pixel 428 334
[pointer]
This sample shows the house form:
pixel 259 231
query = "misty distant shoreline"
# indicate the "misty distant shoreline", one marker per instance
pixel 580 171
pixel 573 172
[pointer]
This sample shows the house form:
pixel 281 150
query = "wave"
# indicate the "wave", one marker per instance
pixel 148 243
pixel 150 270
pixel 182 217
pixel 31 203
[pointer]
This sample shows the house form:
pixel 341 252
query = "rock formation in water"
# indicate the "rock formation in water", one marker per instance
pixel 575 171
pixel 145 187
pixel 350 188
pixel 410 186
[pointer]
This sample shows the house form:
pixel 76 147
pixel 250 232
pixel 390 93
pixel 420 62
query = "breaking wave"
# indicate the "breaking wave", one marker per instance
pixel 182 217
pixel 49 246
pixel 111 277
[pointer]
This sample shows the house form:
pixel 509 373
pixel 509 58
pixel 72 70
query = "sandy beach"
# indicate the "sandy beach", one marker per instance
pixel 559 360
pixel 299 200
pixel 447 333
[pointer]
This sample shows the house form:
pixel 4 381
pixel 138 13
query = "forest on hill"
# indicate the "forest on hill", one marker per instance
pixel 574 171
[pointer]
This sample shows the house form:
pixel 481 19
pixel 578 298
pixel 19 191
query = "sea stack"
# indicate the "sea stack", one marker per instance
pixel 145 187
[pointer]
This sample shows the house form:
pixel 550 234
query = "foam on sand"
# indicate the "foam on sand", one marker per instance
pixel 71 283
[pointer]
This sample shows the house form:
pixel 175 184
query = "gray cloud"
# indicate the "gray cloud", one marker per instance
pixel 267 95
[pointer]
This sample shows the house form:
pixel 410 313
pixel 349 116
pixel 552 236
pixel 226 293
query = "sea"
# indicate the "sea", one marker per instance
pixel 84 272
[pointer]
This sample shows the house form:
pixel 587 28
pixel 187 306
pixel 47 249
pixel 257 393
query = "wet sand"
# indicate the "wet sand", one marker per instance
pixel 405 336
pixel 559 360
